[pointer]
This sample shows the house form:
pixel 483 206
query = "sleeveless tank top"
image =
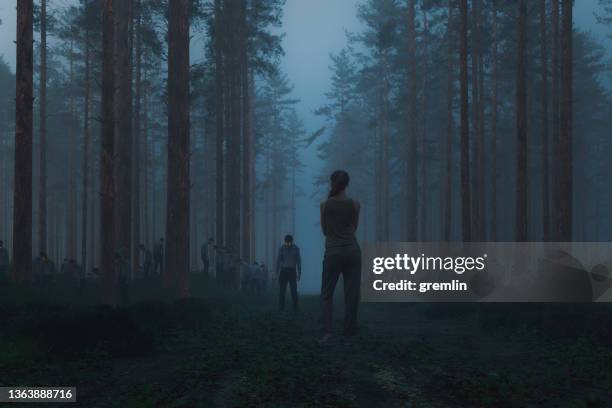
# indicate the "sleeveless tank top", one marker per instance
pixel 339 219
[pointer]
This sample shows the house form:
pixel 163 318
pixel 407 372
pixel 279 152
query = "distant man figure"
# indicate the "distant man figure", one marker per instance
pixel 158 256
pixel 289 270
pixel 148 260
pixel 4 262
pixel 205 254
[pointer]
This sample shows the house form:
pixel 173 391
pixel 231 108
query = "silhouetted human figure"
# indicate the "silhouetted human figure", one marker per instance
pixel 158 256
pixel 148 260
pixel 4 262
pixel 205 255
pixel 289 270
pixel 339 221
pixel 43 269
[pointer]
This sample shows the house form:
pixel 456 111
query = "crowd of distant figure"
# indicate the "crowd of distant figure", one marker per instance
pixel 216 261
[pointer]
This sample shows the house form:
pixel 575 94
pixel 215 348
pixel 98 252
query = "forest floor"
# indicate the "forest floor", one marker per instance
pixel 236 351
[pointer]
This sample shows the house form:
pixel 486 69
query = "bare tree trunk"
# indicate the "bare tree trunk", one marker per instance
pixel 448 175
pixel 177 208
pixel 123 198
pixel 233 142
pixel 107 183
pixel 423 218
pixel 252 172
pixel 555 165
pixel 146 160
pixel 384 133
pixel 247 144
pixel 544 95
pixel 220 123
pixel 494 108
pixel 86 142
pixel 521 126
pixel 477 160
pixel 481 131
pixel 137 168
pixel 411 154
pixel 71 216
pixel 466 212
pixel 22 198
pixel 564 221
pixel 42 195
pixel 266 199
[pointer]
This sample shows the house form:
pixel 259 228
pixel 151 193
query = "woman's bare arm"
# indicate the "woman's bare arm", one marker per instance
pixel 322 208
pixel 357 208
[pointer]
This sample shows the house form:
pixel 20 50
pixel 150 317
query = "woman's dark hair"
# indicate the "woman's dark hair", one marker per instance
pixel 339 181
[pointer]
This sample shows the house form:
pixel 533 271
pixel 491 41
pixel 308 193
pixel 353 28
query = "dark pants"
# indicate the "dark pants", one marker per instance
pixel 344 260
pixel 287 275
pixel 206 265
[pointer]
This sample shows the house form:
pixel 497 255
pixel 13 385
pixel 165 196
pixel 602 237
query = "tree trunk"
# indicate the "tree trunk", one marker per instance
pixel 411 155
pixel 477 160
pixel 86 141
pixel 137 168
pixel 252 172
pixel 22 198
pixel 107 184
pixel 247 144
pixel 564 221
pixel 71 216
pixel 521 126
pixel 423 218
pixel 220 123
pixel 42 195
pixel 494 108
pixel 544 95
pixel 123 198
pixel 448 175
pixel 384 134
pixel 233 142
pixel 555 165
pixel 177 209
pixel 146 164
pixel 466 212
pixel 481 132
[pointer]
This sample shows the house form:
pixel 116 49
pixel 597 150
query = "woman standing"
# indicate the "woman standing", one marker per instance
pixel 339 220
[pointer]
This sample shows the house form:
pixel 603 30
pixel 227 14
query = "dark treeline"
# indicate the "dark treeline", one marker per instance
pixel 130 139
pixel 475 120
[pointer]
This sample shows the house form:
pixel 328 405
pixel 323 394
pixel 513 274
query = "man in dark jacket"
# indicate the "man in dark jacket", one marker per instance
pixel 288 270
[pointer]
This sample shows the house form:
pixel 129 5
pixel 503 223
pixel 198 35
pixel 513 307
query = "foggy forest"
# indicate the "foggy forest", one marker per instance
pixel 137 135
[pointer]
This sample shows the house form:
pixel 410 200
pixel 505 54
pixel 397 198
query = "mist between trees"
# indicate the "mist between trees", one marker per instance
pixel 457 120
